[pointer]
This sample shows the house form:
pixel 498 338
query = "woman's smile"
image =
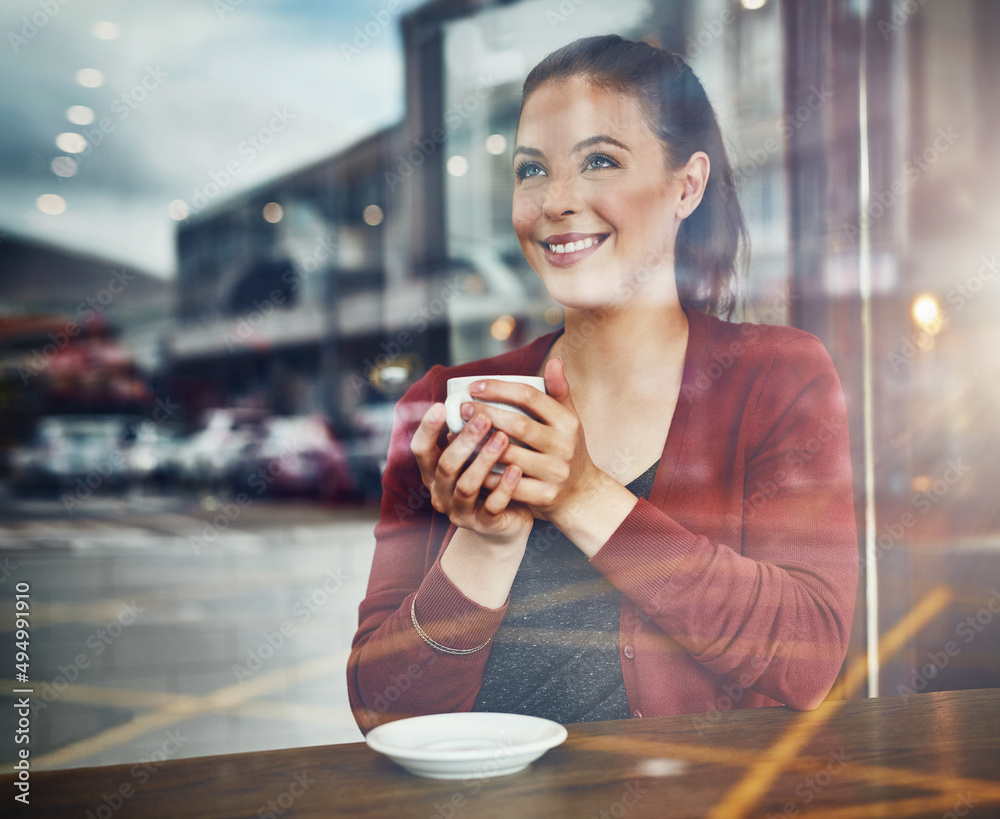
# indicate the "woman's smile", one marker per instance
pixel 564 249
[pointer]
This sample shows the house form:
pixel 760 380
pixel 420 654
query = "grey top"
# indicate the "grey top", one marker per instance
pixel 555 654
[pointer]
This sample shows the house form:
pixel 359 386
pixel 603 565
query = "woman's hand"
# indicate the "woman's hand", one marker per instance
pixel 457 492
pixel 559 475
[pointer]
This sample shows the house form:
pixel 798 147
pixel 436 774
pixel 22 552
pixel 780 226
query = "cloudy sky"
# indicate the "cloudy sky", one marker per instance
pixel 185 89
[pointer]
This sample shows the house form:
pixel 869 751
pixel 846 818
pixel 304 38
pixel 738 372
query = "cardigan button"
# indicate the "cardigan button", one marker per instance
pixel 636 713
pixel 629 652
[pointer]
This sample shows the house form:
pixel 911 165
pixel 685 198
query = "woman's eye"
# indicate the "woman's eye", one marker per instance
pixel 529 169
pixel 597 161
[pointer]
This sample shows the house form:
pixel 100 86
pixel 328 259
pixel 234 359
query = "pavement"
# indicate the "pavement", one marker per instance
pixel 168 626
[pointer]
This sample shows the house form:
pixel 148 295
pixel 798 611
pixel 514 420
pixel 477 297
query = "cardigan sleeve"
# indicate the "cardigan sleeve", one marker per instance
pixel 391 672
pixel 776 608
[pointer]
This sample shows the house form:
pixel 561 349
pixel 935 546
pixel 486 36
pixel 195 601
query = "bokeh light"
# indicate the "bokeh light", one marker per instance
pixel 89 78
pixel 503 327
pixel 473 284
pixel 273 213
pixel 927 313
pixel 496 144
pixel 51 204
pixel 458 165
pixel 178 210
pixel 71 142
pixel 553 316
pixel 106 30
pixel 64 166
pixel 80 114
pixel 373 215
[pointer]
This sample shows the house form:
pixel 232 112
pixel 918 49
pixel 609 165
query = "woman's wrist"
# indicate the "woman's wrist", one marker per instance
pixel 593 512
pixel 500 550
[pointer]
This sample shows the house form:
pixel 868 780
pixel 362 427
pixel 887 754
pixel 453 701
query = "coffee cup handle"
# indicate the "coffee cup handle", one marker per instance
pixel 453 410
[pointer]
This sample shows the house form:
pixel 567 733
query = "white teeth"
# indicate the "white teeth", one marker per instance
pixel 569 247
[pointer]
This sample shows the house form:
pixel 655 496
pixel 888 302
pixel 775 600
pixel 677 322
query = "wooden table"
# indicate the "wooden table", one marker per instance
pixel 929 755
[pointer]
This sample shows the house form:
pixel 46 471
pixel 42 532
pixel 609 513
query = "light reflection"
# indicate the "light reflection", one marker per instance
pixel 80 115
pixel 178 210
pixel 89 78
pixel 273 213
pixel 927 313
pixel 458 165
pixel 64 166
pixel 474 284
pixel 373 215
pixel 71 142
pixel 106 30
pixel 51 204
pixel 503 327
pixel 496 144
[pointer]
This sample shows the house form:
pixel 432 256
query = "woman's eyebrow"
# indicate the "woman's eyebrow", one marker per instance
pixel 522 149
pixel 589 142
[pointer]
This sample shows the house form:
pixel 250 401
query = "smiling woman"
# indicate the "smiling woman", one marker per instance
pixel 672 527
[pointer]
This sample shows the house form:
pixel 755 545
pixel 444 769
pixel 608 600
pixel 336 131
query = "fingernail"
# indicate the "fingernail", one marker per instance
pixel 479 423
pixel 496 441
pixel 437 412
pixel 479 386
pixel 466 411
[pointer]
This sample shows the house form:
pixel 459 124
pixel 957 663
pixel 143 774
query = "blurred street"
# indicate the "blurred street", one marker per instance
pixel 168 626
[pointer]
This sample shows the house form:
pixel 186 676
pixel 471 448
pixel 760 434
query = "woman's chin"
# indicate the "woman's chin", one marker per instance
pixel 585 302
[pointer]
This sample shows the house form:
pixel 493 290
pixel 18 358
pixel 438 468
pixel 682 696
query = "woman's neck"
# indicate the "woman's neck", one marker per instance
pixel 614 349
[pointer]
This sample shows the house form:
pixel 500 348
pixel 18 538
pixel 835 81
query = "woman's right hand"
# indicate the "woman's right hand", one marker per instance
pixel 457 493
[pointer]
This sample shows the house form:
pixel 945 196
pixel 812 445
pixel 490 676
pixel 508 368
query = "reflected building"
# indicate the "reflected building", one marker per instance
pixel 280 288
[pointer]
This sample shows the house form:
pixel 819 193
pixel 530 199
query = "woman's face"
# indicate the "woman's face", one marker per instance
pixel 595 206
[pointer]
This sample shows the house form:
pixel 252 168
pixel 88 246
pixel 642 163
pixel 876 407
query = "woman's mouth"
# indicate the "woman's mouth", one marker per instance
pixel 569 248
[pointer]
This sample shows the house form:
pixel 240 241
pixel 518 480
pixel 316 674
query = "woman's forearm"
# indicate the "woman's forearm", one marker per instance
pixel 481 569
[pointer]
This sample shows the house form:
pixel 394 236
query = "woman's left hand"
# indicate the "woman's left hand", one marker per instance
pixel 559 474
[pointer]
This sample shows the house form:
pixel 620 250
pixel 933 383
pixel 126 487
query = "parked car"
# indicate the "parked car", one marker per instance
pixel 371 426
pixel 297 455
pixel 154 458
pixel 85 454
pixel 211 457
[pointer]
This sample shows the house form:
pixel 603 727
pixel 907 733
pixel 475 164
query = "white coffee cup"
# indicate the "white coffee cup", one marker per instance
pixel 458 394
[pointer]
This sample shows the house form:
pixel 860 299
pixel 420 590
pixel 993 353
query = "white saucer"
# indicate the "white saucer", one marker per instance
pixel 466 745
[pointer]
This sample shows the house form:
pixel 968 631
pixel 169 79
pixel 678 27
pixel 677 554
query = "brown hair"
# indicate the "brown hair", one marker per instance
pixel 679 113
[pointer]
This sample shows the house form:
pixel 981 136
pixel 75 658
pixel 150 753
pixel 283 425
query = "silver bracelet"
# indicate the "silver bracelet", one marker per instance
pixel 427 639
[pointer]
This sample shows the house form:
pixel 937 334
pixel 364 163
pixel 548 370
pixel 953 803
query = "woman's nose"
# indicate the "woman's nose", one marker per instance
pixel 561 199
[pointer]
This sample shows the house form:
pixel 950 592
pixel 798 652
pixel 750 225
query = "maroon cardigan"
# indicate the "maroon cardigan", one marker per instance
pixel 739 573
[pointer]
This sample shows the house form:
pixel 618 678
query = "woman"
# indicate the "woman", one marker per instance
pixel 677 535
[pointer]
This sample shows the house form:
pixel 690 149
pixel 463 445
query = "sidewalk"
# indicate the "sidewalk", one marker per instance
pixel 155 637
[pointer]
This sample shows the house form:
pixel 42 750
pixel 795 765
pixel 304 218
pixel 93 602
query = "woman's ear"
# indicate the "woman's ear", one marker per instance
pixel 694 179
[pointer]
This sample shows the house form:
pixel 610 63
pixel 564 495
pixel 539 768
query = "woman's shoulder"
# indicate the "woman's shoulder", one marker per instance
pixel 762 343
pixel 770 368
pixel 751 359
